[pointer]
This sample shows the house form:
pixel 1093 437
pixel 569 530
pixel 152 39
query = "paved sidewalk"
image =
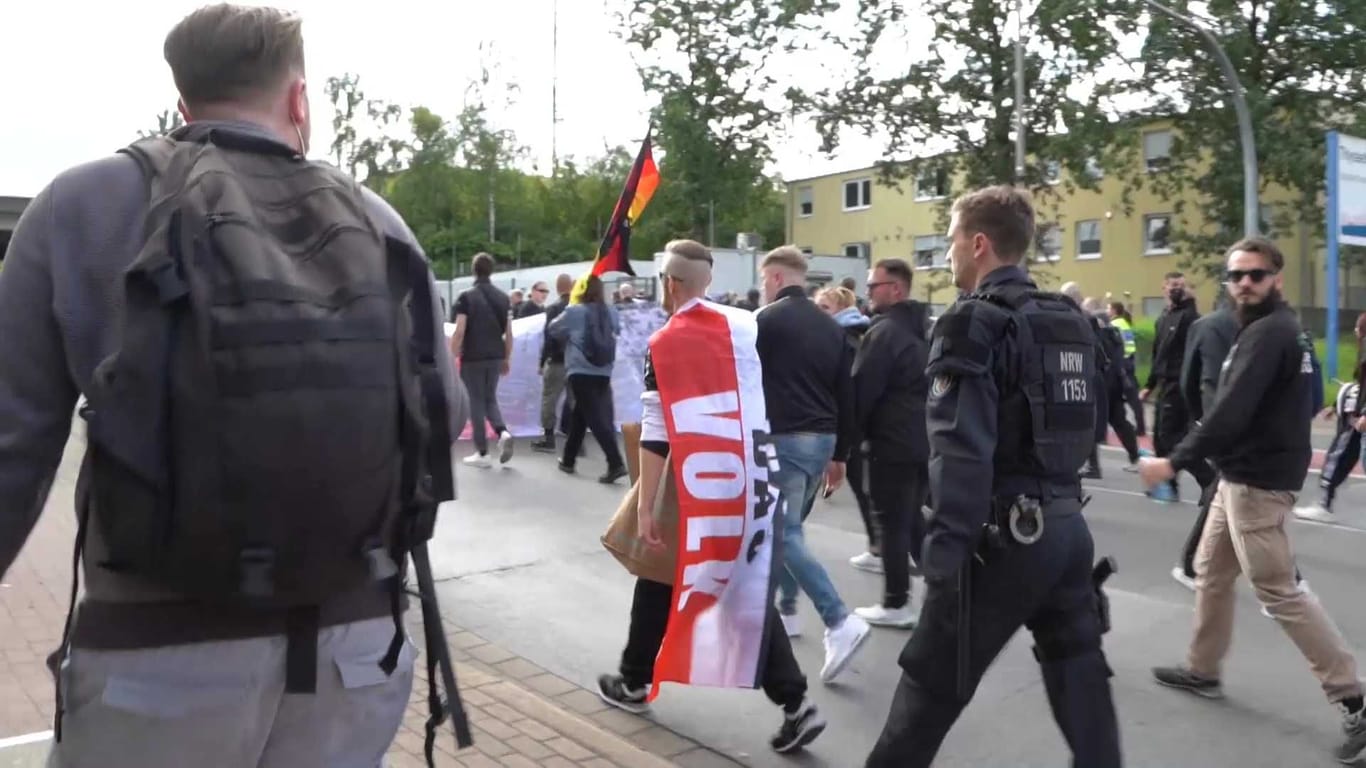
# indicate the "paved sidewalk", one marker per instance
pixel 521 716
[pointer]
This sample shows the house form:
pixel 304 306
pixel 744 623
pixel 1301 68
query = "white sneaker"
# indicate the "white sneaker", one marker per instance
pixel 480 460
pixel 1317 512
pixel 841 643
pixel 792 624
pixel 882 616
pixel 505 446
pixel 867 561
pixel 1179 574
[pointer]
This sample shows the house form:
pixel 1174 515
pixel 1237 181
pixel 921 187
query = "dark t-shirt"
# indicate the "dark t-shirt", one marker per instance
pixel 486 319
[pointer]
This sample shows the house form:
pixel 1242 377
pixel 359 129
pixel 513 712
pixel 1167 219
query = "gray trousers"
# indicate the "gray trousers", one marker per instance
pixel 552 386
pixel 223 704
pixel 481 380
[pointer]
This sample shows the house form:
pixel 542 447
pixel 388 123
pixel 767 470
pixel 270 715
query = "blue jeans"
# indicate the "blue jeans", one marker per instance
pixel 802 459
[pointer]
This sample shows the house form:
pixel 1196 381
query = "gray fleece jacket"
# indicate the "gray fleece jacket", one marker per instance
pixel 60 306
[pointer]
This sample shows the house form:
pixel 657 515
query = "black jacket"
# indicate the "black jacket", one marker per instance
pixel 1169 344
pixel 890 384
pixel 552 351
pixel 806 362
pixel 1257 432
pixel 1210 339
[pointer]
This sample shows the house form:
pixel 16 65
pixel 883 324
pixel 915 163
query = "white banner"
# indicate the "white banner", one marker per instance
pixel 1351 190
pixel 519 392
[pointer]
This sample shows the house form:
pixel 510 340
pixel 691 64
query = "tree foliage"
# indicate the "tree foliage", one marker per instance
pixel 719 106
pixel 167 122
pixel 1302 66
pixel 951 109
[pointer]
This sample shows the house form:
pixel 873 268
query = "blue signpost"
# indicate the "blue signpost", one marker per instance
pixel 1331 256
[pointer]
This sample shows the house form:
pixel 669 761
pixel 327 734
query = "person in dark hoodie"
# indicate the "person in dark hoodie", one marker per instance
pixel 1211 337
pixel 890 388
pixel 1257 432
pixel 1172 419
pixel 841 304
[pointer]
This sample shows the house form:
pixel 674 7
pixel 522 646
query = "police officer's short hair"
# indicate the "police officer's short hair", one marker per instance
pixel 897 269
pixel 1259 245
pixel 786 257
pixel 1003 213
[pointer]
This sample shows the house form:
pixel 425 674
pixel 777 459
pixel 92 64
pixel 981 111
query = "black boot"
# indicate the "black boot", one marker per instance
pixel 545 444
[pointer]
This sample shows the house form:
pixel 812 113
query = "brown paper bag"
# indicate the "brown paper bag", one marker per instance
pixel 622 537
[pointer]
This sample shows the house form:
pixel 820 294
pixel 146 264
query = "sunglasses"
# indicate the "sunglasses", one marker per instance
pixel 1236 276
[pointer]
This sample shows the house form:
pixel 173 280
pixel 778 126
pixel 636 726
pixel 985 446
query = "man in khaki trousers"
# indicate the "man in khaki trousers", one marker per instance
pixel 1257 434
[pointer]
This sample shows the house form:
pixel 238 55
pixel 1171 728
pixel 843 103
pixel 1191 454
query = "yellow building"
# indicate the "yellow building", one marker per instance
pixel 1085 236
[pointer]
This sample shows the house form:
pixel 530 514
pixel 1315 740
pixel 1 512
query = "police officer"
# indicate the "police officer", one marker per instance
pixel 1011 415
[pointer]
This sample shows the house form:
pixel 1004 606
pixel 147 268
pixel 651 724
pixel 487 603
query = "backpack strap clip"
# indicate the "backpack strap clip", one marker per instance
pixel 382 566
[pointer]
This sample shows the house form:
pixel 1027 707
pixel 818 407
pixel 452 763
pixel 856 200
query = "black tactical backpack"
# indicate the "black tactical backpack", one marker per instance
pixel 272 429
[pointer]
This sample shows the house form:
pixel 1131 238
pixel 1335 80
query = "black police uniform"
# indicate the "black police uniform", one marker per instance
pixel 1011 418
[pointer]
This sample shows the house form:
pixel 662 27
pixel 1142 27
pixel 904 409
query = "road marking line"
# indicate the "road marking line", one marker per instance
pixel 28 738
pixel 1141 495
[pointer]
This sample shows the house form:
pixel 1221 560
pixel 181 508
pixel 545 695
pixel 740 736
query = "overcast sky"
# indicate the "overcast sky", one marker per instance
pixel 82 77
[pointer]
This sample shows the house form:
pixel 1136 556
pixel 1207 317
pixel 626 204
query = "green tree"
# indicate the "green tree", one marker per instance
pixel 719 109
pixel 167 122
pixel 1302 67
pixel 958 97
pixel 363 132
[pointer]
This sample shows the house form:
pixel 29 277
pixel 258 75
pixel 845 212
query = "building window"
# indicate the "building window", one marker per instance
pixel 931 184
pixel 806 202
pixel 858 194
pixel 860 251
pixel 1088 239
pixel 1157 150
pixel 931 251
pixel 1052 171
pixel 1048 242
pixel 1157 233
pixel 1153 305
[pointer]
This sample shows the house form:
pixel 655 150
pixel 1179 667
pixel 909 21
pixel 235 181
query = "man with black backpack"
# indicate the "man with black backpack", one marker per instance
pixel 245 326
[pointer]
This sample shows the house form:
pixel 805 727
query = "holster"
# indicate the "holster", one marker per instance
pixel 1103 570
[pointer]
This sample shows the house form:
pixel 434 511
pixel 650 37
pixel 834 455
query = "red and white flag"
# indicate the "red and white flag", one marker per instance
pixel 711 388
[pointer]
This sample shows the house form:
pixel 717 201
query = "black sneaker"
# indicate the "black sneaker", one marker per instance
pixel 1354 725
pixel 614 474
pixel 1186 680
pixel 799 729
pixel 568 469
pixel 612 689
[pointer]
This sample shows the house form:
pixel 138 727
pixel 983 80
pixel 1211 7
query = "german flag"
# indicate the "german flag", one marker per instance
pixel 641 182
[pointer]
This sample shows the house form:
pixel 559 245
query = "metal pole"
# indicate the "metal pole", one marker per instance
pixel 1251 208
pixel 554 88
pixel 1019 93
pixel 711 224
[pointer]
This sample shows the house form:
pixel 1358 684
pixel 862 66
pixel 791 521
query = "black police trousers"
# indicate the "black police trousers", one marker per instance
pixel 1046 587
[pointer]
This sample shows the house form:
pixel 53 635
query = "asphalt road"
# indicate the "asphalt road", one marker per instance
pixel 520 562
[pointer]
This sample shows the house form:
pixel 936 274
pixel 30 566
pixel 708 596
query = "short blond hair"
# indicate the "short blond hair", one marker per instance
pixel 233 53
pixel 839 296
pixel 788 257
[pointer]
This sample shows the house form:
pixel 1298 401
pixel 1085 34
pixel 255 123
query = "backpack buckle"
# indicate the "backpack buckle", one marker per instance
pixel 258 571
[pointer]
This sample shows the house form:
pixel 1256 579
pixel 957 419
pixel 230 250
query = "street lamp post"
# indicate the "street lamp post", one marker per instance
pixel 1019 94
pixel 1251 212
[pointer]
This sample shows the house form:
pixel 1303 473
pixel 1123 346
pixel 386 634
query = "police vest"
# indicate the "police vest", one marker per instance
pixel 1127 333
pixel 1047 415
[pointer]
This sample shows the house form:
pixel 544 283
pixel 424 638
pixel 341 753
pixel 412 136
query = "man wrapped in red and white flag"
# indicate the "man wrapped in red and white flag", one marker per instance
pixel 705 423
